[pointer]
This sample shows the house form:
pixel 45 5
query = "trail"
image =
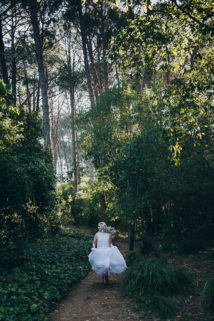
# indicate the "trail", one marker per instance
pixel 91 301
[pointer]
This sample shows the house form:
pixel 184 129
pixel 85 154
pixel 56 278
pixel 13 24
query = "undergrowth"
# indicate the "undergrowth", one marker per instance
pixel 50 267
pixel 208 296
pixel 155 284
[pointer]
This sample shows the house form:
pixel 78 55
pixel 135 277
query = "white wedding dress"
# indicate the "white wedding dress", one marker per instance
pixel 105 259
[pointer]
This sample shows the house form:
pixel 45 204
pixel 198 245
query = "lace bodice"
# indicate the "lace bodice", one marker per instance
pixel 102 239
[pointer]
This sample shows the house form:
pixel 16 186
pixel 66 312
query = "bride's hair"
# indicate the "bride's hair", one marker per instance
pixel 107 229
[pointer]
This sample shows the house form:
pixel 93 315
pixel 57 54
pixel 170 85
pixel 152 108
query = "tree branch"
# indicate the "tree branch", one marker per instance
pixel 192 17
pixel 5 11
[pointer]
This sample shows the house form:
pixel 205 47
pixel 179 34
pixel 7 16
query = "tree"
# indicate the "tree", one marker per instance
pixel 2 57
pixel 10 124
pixel 27 182
pixel 105 127
pixel 164 39
pixel 33 8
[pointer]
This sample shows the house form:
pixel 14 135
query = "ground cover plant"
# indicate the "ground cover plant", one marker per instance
pixel 49 268
pixel 154 284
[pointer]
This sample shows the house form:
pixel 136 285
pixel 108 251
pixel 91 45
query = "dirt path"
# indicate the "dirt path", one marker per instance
pixel 92 301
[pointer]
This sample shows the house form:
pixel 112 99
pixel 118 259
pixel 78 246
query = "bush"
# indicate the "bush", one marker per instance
pixel 147 247
pixel 65 194
pixel 84 209
pixel 49 268
pixel 166 307
pixel 208 296
pixel 10 124
pixel 27 177
pixel 199 239
pixel 152 281
pixel 27 196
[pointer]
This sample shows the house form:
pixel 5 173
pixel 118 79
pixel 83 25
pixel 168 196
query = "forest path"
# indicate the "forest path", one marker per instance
pixel 91 301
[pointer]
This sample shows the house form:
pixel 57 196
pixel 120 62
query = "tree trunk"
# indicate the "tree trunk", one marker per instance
pixel 97 87
pixel 27 88
pixel 74 149
pixel 72 103
pixel 100 69
pixel 91 171
pixel 13 59
pixel 34 92
pixel 77 159
pixel 85 53
pixel 2 58
pixel 60 167
pixel 33 7
pixel 103 206
pixel 147 76
pixel 131 234
pixel 54 140
pixel 104 47
pixel 55 136
pixel 37 98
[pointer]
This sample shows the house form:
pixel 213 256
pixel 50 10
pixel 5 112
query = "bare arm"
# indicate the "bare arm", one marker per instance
pixel 95 241
pixel 110 240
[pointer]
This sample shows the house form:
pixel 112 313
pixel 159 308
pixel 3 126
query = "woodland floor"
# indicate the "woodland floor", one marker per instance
pixel 91 301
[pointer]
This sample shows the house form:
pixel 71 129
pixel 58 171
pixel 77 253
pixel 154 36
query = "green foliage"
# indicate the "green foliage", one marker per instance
pixel 199 239
pixel 27 195
pixel 106 126
pixel 154 148
pixel 90 194
pixel 152 282
pixel 165 184
pixel 168 39
pixel 208 296
pixel 49 268
pixel 27 179
pixel 65 193
pixel 155 275
pixel 84 209
pixel 10 124
pixel 164 171
pixel 147 248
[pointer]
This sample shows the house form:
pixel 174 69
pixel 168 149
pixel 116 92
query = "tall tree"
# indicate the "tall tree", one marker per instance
pixel 2 57
pixel 33 8
pixel 13 51
pixel 85 52
pixel 71 66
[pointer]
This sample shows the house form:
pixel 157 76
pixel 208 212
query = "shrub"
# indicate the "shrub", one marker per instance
pixel 27 177
pixel 84 209
pixel 208 296
pixel 199 239
pixel 147 247
pixel 65 193
pixel 152 281
pixel 27 196
pixel 165 306
pixel 133 258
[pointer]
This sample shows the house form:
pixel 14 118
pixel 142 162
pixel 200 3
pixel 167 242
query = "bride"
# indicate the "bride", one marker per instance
pixel 104 257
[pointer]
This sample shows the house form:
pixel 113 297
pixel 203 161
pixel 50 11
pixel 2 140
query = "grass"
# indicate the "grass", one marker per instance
pixel 208 296
pixel 155 284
